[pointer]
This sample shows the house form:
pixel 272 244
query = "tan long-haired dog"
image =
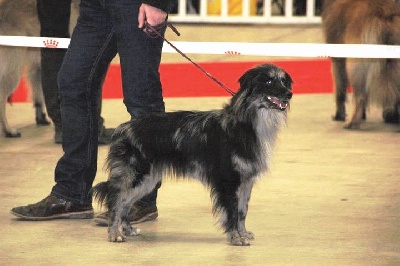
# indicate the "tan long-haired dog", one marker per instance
pixel 373 80
pixel 19 18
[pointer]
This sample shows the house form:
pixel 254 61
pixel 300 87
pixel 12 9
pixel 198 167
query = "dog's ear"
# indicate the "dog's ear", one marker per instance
pixel 289 80
pixel 247 78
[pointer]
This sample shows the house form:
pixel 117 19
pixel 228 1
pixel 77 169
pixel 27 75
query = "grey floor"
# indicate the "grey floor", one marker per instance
pixel 331 197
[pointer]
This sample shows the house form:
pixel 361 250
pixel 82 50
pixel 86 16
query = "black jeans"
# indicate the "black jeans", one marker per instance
pixel 104 28
pixel 54 17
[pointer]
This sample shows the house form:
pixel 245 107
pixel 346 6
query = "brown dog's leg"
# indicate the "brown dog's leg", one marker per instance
pixel 34 78
pixel 359 113
pixel 341 82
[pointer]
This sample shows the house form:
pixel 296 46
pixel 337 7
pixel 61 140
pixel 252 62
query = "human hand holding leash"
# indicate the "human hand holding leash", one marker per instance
pixel 152 15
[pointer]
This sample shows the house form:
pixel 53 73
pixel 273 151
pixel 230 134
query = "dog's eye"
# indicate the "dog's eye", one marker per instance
pixel 269 81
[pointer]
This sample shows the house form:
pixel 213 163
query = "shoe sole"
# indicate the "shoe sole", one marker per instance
pixel 149 217
pixel 71 215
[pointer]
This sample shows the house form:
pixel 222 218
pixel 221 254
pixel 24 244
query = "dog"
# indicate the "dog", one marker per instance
pixel 19 18
pixel 373 80
pixel 226 150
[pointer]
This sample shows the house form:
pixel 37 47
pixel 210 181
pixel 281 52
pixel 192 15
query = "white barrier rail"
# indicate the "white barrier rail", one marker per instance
pixel 248 11
pixel 239 48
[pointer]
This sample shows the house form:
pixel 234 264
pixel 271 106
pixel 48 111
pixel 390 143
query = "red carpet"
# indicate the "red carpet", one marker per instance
pixel 185 80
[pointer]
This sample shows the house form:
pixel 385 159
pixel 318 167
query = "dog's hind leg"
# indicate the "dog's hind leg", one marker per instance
pixel 359 113
pixel 119 227
pixel 131 178
pixel 10 74
pixel 121 202
pixel 359 71
pixel 33 74
pixel 341 83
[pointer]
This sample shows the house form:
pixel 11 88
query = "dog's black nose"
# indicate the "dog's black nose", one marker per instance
pixel 289 95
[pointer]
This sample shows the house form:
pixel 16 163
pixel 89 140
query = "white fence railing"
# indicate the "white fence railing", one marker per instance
pixel 247 11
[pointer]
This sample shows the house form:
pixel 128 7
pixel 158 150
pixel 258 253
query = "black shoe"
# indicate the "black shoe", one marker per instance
pixel 138 214
pixel 51 208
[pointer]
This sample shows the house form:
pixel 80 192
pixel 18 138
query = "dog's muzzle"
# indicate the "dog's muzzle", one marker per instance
pixel 278 104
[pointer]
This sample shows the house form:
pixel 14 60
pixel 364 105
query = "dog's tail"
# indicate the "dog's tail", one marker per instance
pixel 100 192
pixel 383 77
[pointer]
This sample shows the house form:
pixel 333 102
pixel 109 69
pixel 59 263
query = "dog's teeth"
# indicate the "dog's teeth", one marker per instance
pixel 269 98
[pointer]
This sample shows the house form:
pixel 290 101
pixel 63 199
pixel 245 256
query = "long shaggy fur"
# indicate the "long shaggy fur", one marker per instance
pixel 225 149
pixel 19 18
pixel 373 80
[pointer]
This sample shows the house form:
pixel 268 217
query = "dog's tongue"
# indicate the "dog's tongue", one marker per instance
pixel 281 105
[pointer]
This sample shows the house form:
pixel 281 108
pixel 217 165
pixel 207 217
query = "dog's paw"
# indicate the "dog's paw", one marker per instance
pixel 240 238
pixel 249 235
pixel 131 231
pixel 41 120
pixel 121 234
pixel 339 117
pixel 115 235
pixel 12 133
pixel 352 125
pixel 116 238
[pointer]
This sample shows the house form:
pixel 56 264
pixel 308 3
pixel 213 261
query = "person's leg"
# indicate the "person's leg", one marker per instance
pixel 54 19
pixel 93 45
pixel 105 134
pixel 140 57
pixel 80 78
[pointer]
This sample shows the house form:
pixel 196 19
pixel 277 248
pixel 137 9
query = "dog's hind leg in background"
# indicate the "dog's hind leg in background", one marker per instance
pixel 10 75
pixel 373 80
pixel 34 77
pixel 19 18
pixel 341 81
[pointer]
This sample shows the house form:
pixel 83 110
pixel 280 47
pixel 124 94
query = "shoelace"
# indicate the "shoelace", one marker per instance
pixel 155 31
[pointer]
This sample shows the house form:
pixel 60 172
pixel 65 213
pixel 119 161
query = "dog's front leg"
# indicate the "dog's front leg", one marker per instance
pixel 242 237
pixel 237 238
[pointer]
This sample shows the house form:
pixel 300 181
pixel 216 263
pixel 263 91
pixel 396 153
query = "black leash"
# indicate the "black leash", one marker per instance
pixel 155 31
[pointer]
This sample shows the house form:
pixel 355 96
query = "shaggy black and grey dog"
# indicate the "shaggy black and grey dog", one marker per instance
pixel 225 149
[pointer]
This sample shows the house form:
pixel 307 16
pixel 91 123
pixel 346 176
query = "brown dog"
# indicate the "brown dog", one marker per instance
pixel 19 18
pixel 373 80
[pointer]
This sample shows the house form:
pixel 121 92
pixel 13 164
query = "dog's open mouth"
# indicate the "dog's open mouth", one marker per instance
pixel 278 104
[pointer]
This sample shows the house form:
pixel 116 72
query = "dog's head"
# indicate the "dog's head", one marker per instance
pixel 263 87
pixel 271 85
